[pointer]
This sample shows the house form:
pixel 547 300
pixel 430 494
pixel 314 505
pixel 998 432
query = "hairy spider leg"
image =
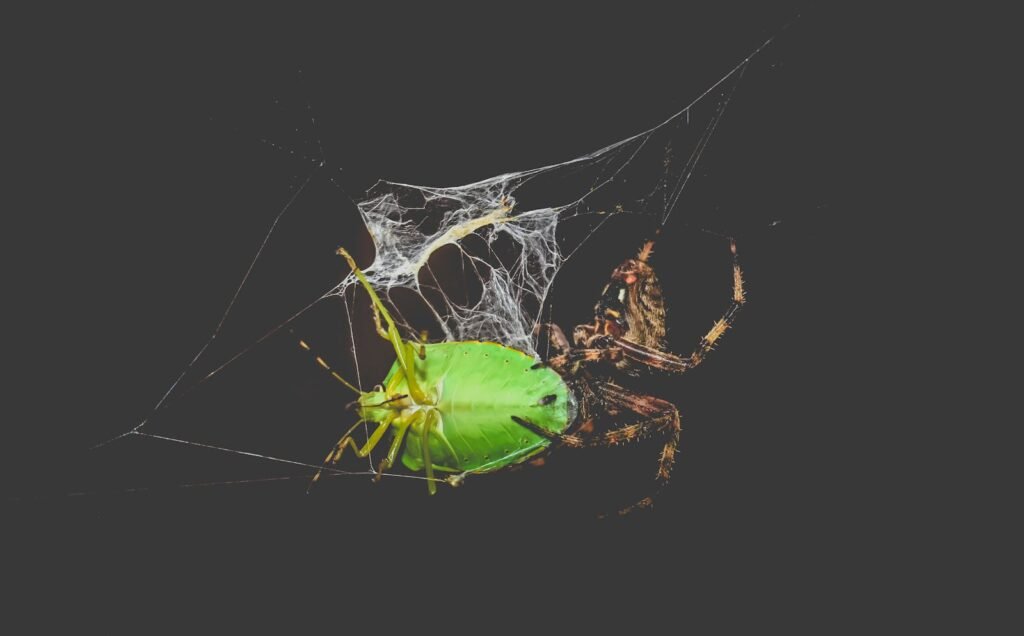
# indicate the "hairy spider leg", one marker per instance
pixel 660 417
pixel 404 351
pixel 613 349
pixel 707 343
pixel 572 441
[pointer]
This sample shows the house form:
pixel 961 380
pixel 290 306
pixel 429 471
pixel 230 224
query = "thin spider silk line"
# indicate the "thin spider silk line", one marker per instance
pixel 359 377
pixel 403 248
pixel 327 471
pixel 280 460
pixel 223 317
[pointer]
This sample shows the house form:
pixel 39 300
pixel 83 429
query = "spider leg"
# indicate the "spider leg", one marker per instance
pixel 662 417
pixel 659 417
pixel 568 363
pixel 613 349
pixel 572 441
pixel 707 343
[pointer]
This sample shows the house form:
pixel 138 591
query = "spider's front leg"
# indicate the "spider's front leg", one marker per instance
pixel 661 417
pixel 605 348
pixel 658 417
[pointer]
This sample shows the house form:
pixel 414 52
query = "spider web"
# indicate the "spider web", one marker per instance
pixel 509 235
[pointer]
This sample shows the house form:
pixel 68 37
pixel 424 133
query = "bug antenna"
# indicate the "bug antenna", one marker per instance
pixel 354 404
pixel 323 364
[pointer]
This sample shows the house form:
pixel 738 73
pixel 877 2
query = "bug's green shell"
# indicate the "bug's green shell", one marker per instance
pixel 479 387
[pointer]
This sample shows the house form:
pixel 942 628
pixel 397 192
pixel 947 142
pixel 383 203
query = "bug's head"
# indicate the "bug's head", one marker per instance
pixel 636 273
pixel 376 405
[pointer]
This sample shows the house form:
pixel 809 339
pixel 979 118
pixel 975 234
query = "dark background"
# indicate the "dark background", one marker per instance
pixel 150 190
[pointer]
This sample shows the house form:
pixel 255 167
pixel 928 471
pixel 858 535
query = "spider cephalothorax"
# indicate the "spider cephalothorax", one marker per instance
pixel 467 407
pixel 631 307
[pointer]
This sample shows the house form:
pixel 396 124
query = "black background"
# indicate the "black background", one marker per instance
pixel 150 191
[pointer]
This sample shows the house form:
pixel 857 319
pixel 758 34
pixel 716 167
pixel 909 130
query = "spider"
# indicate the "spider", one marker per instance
pixel 470 407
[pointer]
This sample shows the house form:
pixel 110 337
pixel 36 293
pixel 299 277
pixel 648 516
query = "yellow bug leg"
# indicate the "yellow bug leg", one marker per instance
pixel 401 427
pixel 336 450
pixel 381 331
pixel 374 439
pixel 346 441
pixel 428 465
pixel 423 344
pixel 401 351
pixel 411 353
pixel 378 307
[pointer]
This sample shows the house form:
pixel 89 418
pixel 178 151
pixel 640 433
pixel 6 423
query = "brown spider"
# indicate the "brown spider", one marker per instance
pixel 628 334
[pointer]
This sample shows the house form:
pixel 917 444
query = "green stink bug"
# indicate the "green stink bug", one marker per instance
pixel 452 403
